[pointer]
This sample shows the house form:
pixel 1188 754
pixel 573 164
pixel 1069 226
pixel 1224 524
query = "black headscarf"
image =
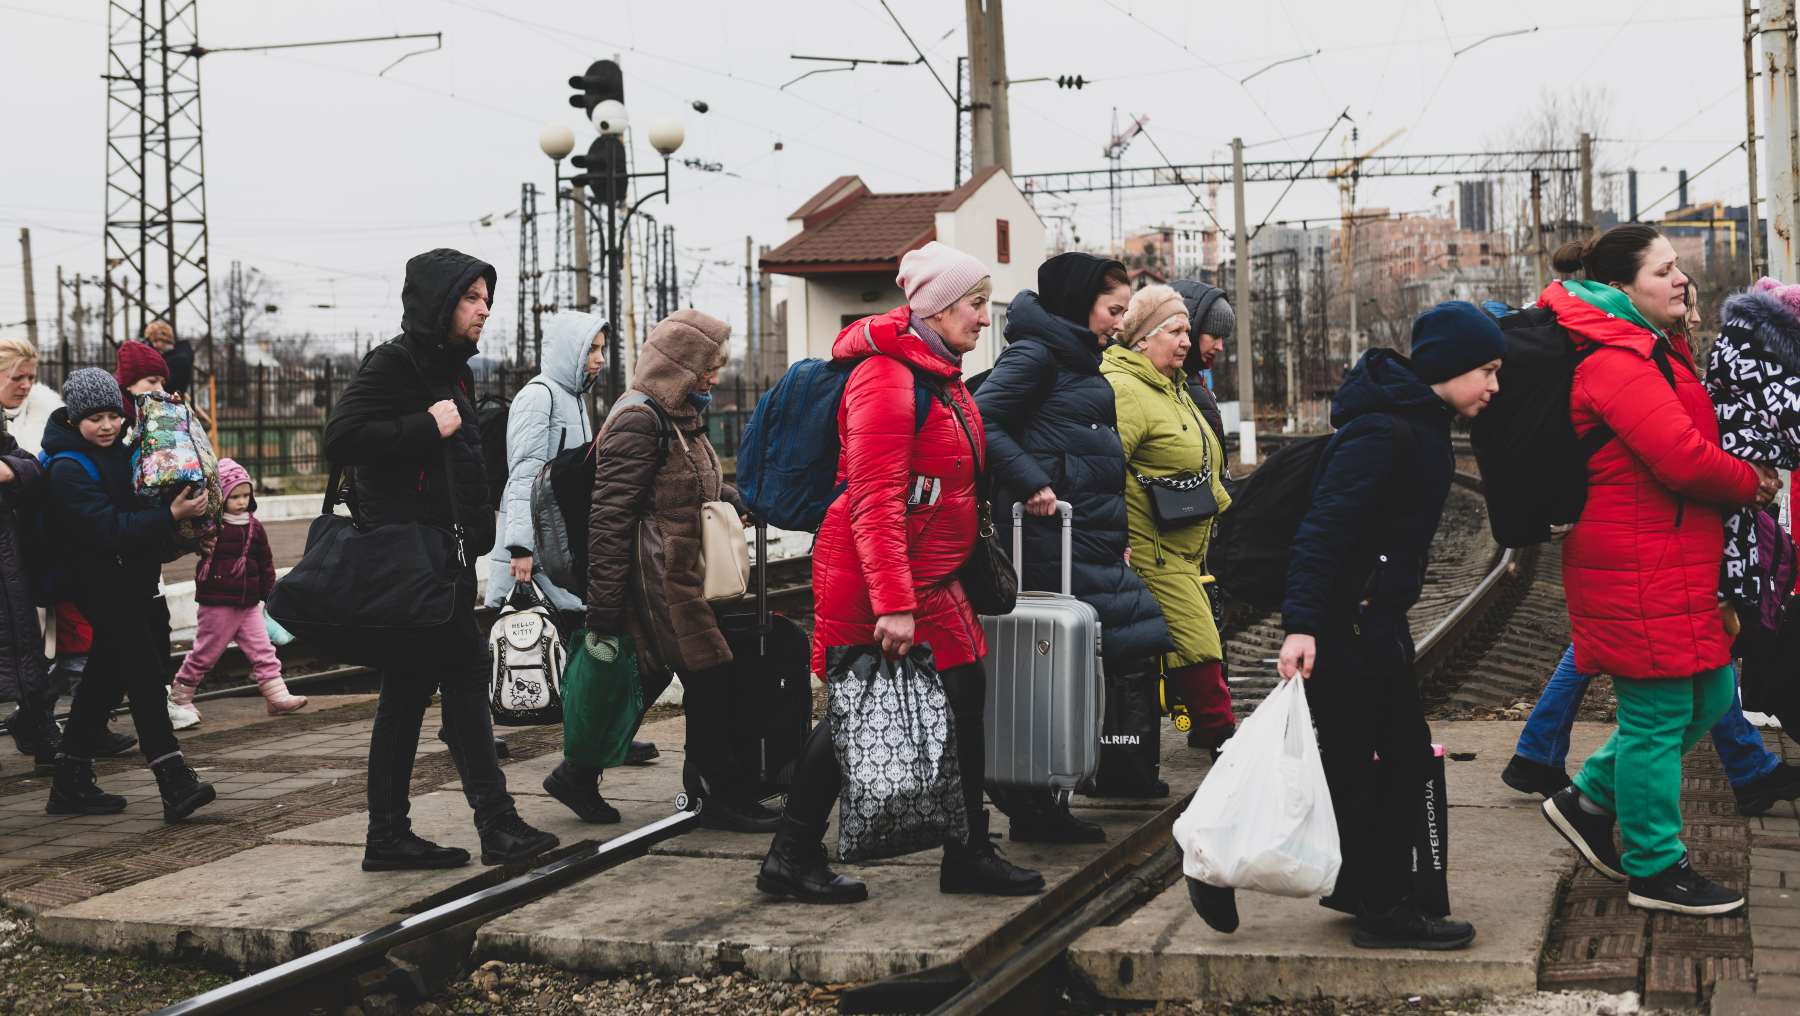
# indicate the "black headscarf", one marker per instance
pixel 1068 284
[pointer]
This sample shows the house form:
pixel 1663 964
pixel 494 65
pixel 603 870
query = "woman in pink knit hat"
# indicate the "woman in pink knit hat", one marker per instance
pixel 230 584
pixel 886 556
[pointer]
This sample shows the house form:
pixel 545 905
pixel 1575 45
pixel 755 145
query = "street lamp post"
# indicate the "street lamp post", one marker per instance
pixel 606 180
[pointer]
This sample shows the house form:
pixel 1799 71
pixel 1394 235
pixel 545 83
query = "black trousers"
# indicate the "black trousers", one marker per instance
pixel 706 706
pixel 127 662
pixel 1365 703
pixel 817 781
pixel 417 669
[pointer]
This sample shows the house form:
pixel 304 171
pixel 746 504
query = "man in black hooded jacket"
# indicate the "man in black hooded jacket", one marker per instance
pixel 406 429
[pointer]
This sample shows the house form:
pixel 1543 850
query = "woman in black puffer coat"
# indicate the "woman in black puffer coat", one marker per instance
pixel 24 674
pixel 1050 424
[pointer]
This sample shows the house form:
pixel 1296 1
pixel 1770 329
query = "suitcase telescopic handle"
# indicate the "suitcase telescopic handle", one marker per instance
pixel 1067 511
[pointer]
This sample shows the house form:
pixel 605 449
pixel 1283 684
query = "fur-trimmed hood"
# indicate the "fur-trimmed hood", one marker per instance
pixel 1771 324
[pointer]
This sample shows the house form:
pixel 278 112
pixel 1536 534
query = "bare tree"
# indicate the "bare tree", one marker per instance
pixel 246 297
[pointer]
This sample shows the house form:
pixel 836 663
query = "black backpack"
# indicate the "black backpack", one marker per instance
pixel 563 493
pixel 1250 543
pixel 491 414
pixel 1533 467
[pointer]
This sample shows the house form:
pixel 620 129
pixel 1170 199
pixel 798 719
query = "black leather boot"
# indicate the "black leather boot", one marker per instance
pixel 182 792
pixel 641 753
pixel 408 852
pixel 578 788
pixel 46 744
pixel 510 840
pixel 114 744
pixel 795 869
pixel 977 867
pixel 1041 820
pixel 1216 905
pixel 723 809
pixel 74 792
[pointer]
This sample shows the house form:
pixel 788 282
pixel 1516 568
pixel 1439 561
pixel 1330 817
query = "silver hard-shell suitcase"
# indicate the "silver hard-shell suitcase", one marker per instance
pixel 1045 693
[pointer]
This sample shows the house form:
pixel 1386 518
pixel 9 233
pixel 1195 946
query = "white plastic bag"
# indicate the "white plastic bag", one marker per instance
pixel 1262 819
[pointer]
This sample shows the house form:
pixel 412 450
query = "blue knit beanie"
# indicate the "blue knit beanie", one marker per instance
pixel 1454 338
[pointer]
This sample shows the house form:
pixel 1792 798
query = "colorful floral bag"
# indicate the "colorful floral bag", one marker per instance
pixel 169 453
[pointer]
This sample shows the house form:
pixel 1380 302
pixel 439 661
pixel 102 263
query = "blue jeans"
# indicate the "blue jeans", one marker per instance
pixel 1545 738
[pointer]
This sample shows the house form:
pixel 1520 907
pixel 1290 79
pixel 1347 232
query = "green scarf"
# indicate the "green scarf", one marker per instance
pixel 1612 301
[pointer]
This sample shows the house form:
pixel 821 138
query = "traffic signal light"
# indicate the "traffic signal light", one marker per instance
pixel 602 81
pixel 1070 81
pixel 605 172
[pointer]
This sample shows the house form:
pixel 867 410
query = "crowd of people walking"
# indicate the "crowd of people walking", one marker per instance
pixel 1098 407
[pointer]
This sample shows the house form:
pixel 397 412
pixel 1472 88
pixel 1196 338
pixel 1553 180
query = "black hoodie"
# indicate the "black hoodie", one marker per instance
pixel 382 428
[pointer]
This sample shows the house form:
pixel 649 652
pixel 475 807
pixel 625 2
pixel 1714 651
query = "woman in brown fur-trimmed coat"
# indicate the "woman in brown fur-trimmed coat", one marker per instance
pixel 645 576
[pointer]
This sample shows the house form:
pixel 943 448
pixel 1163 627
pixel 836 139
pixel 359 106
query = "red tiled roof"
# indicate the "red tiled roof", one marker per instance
pixel 872 232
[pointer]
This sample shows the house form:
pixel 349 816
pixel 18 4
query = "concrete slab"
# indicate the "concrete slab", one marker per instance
pixel 682 915
pixel 1505 865
pixel 253 909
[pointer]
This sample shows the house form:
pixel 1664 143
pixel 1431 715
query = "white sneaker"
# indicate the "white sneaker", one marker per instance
pixel 182 717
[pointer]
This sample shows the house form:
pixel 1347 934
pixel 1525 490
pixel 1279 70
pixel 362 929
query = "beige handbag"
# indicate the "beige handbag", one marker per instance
pixel 724 554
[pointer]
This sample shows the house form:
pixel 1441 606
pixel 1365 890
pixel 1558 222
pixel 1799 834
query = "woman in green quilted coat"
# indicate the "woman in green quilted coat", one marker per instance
pixel 1166 437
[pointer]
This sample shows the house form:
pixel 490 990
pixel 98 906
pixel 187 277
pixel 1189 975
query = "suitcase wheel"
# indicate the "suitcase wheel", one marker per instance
pixel 682 802
pixel 1063 797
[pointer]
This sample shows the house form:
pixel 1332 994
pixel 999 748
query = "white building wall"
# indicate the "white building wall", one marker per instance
pixel 971 228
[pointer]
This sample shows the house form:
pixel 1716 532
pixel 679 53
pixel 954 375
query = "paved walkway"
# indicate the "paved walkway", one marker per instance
pixel 271 871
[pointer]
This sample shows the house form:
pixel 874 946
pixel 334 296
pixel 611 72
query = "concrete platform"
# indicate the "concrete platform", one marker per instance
pixel 1505 863
pixel 252 910
pixel 691 907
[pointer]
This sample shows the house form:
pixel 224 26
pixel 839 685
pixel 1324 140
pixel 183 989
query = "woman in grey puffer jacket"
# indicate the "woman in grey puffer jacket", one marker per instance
pixel 548 415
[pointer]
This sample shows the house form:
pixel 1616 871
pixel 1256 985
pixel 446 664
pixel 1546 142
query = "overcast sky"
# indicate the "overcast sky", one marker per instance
pixel 328 177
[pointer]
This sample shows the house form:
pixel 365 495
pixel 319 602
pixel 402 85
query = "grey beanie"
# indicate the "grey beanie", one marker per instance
pixel 88 391
pixel 1220 321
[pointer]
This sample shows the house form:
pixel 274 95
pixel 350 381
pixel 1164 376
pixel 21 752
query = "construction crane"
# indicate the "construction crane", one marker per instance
pixel 1346 174
pixel 1115 151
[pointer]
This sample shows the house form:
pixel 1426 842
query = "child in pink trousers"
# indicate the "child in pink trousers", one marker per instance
pixel 230 584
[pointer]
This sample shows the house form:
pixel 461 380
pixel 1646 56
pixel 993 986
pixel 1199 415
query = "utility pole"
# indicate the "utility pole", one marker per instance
pixel 750 355
pixel 628 334
pixel 1758 264
pixel 1587 182
pixel 1537 229
pixel 1240 232
pixel 578 209
pixel 998 88
pixel 62 330
pixel 1783 136
pixel 981 88
pixel 31 328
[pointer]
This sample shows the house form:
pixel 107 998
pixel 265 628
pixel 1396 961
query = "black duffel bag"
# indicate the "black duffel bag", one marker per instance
pixel 360 590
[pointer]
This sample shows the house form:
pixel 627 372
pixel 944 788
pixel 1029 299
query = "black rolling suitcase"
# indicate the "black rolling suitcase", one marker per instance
pixel 771 684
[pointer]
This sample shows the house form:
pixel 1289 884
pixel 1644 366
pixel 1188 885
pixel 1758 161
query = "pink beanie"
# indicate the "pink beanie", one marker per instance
pixel 936 276
pixel 1789 295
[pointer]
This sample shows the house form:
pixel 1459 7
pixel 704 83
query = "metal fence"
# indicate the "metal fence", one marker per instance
pixel 271 418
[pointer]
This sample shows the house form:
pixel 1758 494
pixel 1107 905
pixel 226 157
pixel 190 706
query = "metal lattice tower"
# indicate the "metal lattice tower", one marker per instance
pixel 155 166
pixel 531 300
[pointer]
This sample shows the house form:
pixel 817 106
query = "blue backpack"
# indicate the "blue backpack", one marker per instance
pixel 38 550
pixel 788 457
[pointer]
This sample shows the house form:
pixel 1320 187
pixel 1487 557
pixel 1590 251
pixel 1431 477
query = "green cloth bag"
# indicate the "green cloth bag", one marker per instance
pixel 603 700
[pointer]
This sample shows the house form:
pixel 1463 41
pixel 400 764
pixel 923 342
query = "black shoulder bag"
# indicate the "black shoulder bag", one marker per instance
pixel 1183 499
pixel 988 578
pixel 365 593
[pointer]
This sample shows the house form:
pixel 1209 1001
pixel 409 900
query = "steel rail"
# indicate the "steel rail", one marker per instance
pixel 480 906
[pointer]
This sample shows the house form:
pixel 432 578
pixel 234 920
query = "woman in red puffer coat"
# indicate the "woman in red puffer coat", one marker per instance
pixel 885 558
pixel 1641 567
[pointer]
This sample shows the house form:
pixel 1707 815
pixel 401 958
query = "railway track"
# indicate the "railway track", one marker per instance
pixel 306 671
pixel 1477 598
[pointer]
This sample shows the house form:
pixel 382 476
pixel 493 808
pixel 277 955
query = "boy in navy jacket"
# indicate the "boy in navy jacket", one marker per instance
pixel 110 544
